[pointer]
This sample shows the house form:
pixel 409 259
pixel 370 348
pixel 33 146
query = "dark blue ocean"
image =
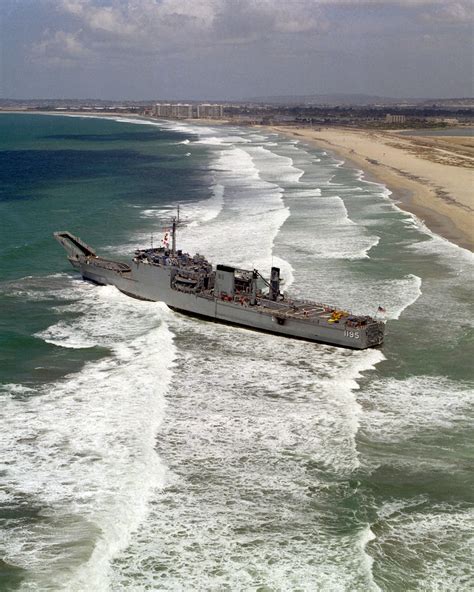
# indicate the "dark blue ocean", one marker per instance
pixel 143 450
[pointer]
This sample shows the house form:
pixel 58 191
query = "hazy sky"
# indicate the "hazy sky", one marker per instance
pixel 231 49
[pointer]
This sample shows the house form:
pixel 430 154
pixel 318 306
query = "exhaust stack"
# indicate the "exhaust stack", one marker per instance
pixel 253 293
pixel 274 283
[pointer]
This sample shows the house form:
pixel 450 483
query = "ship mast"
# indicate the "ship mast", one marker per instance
pixel 173 237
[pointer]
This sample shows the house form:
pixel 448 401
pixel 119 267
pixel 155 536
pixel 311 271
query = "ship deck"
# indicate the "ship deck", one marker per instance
pixel 108 264
pixel 304 310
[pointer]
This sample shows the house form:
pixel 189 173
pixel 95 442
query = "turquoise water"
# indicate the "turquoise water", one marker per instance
pixel 145 450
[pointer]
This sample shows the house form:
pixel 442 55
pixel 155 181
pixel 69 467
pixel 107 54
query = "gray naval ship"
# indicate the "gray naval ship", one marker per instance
pixel 190 285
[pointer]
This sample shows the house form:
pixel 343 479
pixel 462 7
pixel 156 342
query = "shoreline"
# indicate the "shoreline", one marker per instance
pixel 429 197
pixel 440 194
pixel 107 115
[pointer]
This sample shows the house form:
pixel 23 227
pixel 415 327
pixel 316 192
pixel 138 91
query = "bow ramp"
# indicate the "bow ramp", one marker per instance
pixel 73 245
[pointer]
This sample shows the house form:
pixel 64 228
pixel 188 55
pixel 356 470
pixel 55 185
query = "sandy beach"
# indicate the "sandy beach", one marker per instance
pixel 432 177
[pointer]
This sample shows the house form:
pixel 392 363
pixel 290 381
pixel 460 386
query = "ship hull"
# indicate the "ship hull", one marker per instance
pixel 147 282
pixel 192 287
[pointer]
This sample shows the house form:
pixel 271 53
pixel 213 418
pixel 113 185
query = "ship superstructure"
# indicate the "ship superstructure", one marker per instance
pixel 192 285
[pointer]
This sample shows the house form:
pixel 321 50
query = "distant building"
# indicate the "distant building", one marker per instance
pixel 395 118
pixel 163 110
pixel 183 111
pixel 174 110
pixel 208 111
pixel 187 111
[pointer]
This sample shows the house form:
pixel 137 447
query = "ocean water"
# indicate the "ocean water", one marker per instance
pixel 143 450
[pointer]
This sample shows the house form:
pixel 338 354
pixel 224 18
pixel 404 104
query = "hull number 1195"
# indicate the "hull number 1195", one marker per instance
pixel 353 334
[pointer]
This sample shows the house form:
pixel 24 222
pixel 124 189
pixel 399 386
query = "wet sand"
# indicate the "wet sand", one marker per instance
pixel 432 178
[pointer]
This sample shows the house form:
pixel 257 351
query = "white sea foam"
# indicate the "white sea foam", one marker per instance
pixel 238 190
pixel 254 435
pixel 15 389
pixel 457 256
pixel 257 137
pixel 273 167
pixel 250 214
pixel 157 212
pixel 332 234
pixel 184 127
pixel 209 209
pixel 62 335
pixel 246 206
pixel 444 534
pixel 438 244
pixel 236 168
pixel 281 416
pixel 394 295
pixel 82 449
pixel 221 140
pixel 94 326
pixel 135 121
pixel 367 535
pixel 328 232
pixel 400 409
pixel 399 294
pixel 248 462
pixel 44 288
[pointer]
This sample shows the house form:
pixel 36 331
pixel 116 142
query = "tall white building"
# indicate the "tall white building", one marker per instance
pixel 395 118
pixel 174 110
pixel 208 111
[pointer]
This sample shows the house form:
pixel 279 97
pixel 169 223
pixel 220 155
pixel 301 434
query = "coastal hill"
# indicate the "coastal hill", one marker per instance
pixel 359 100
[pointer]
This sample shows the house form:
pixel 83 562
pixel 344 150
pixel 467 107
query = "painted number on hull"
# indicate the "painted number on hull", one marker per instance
pixel 353 334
